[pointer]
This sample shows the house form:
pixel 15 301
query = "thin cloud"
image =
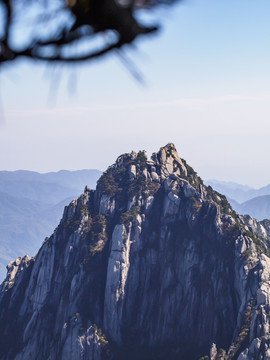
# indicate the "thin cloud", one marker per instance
pixel 187 102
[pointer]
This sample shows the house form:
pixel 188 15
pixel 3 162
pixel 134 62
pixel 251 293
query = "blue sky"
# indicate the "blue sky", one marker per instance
pixel 207 89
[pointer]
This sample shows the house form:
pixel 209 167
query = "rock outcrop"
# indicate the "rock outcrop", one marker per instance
pixel 151 265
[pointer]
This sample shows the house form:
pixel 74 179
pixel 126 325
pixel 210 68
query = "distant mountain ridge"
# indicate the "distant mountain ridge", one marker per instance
pixel 244 199
pixel 238 192
pixel 50 187
pixel 31 205
pixel 258 207
pixel 69 178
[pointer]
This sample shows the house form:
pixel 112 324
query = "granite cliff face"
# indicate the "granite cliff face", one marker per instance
pixel 151 265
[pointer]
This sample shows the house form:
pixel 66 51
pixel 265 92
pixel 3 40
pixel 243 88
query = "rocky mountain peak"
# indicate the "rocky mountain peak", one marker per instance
pixel 131 168
pixel 166 162
pixel 151 265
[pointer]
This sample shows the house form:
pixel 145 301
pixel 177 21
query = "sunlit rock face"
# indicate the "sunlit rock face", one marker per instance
pixel 152 265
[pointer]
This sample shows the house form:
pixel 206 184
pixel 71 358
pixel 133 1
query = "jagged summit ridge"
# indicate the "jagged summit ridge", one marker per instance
pixel 152 264
pixel 135 173
pixel 163 163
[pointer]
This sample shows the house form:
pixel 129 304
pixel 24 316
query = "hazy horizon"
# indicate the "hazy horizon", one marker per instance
pixel 207 90
pixel 102 170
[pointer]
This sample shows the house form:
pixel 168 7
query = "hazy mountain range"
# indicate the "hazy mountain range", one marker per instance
pixel 244 199
pixel 31 205
pixel 235 191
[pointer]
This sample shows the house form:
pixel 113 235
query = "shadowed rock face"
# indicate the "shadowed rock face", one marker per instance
pixel 151 265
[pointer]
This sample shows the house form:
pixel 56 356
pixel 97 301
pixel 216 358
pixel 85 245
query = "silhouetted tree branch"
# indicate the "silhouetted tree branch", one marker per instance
pixel 60 30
